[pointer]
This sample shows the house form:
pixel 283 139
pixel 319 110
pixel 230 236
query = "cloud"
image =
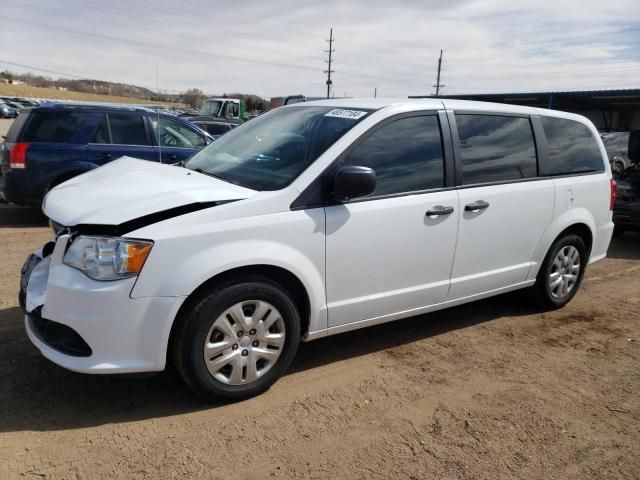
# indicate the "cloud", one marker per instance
pixel 276 48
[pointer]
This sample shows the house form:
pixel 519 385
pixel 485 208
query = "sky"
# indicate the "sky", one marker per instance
pixel 277 47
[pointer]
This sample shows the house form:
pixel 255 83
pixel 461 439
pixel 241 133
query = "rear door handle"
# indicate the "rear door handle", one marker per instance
pixel 475 206
pixel 439 210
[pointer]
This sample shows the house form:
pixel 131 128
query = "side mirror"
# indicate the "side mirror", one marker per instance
pixel 352 182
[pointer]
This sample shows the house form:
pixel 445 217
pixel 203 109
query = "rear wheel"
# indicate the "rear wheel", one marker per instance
pixel 561 272
pixel 237 340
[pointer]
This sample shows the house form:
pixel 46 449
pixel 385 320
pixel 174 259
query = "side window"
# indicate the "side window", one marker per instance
pixel 102 133
pixel 127 129
pixel 495 148
pixel 52 127
pixel 406 155
pixel 571 146
pixel 171 133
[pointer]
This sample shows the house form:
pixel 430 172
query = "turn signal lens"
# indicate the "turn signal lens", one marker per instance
pixel 132 256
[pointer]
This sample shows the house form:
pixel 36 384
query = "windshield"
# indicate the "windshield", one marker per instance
pixel 211 108
pixel 270 151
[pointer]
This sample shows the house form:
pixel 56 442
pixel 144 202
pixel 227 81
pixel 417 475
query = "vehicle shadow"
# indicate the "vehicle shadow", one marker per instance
pixel 625 247
pixel 37 395
pixel 15 216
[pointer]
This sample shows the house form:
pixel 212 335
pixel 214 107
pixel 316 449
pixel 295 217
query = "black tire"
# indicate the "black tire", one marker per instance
pixel 195 323
pixel 540 292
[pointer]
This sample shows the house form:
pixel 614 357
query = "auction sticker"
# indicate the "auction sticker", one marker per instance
pixel 341 113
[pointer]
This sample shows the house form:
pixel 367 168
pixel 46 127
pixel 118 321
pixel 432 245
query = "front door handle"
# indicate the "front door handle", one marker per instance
pixel 475 206
pixel 439 210
pixel 104 156
pixel 169 156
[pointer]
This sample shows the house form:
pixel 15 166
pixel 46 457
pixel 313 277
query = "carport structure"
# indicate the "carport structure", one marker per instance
pixel 609 110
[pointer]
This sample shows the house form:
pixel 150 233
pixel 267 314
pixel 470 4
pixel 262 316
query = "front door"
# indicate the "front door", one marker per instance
pixel 392 252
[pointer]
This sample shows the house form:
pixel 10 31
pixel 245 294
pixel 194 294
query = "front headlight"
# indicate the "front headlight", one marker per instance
pixel 107 258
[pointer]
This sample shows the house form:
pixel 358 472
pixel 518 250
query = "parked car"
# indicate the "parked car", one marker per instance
pixel 616 144
pixel 54 142
pixel 311 220
pixel 626 211
pixel 7 112
pixel 215 128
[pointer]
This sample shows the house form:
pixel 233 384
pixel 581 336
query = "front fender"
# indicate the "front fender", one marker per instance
pixel 187 274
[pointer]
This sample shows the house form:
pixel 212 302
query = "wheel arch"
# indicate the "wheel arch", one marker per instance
pixel 283 277
pixel 577 221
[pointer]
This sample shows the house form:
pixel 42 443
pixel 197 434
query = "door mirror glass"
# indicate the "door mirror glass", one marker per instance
pixel 352 182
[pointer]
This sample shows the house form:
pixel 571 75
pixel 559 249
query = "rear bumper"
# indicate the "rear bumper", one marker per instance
pixel 627 214
pixel 95 327
pixel 15 187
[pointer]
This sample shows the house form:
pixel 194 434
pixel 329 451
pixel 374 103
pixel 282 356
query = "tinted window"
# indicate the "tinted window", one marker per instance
pixel 16 126
pixel 405 154
pixel 171 133
pixel 572 147
pixel 495 148
pixel 127 129
pixel 102 133
pixel 52 127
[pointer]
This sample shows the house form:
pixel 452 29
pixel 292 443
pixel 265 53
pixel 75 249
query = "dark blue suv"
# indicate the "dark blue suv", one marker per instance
pixel 54 142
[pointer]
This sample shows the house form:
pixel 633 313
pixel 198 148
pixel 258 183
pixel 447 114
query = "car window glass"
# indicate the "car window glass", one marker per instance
pixel 571 147
pixel 127 129
pixel 271 150
pixel 495 148
pixel 16 127
pixel 406 155
pixel 102 132
pixel 215 128
pixel 171 133
pixel 52 127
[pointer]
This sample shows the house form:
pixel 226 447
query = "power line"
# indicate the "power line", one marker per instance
pixel 329 71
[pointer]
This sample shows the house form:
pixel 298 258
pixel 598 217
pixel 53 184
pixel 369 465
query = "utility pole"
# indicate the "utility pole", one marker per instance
pixel 329 71
pixel 375 92
pixel 438 85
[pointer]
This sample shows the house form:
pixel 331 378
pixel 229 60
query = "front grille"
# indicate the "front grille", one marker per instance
pixel 58 336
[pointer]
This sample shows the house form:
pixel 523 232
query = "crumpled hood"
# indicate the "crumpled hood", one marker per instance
pixel 128 188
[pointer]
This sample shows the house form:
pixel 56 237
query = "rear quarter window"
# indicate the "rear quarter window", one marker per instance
pixel 14 131
pixel 51 127
pixel 571 148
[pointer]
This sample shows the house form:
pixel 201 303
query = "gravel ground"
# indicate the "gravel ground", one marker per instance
pixel 489 390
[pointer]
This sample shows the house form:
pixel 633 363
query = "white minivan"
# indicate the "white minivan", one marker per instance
pixel 311 220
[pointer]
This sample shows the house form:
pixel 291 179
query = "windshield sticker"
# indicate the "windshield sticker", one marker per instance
pixel 340 113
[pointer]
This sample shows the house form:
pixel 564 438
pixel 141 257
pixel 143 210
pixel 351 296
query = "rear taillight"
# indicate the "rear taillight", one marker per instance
pixel 18 155
pixel 613 194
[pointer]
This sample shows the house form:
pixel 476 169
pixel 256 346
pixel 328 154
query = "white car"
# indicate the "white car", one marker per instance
pixel 311 220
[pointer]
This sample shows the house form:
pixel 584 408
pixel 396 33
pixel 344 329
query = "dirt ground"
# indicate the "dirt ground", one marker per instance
pixel 490 390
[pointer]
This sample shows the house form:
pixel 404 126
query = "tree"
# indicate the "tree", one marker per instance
pixel 193 97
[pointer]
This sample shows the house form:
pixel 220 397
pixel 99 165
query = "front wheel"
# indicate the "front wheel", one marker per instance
pixel 561 272
pixel 237 340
